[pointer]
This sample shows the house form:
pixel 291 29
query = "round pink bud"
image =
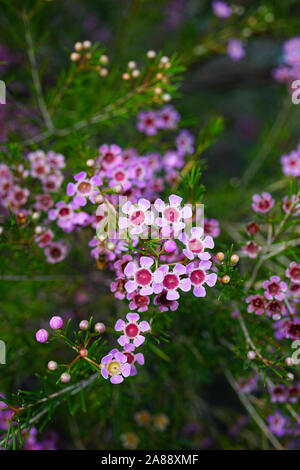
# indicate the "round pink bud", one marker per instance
pixel 65 377
pixel 251 355
pixel 83 352
pixel 56 323
pixel 100 327
pixel 170 246
pixel 41 336
pixel 83 325
pixel 289 361
pixel 52 365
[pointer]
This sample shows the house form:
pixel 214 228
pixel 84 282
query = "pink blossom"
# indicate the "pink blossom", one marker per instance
pixel 274 288
pixel 165 304
pixel 110 156
pixel 45 238
pixel 115 366
pixel 256 304
pixel 251 249
pixel 138 301
pixel 211 227
pixel 293 272
pixel 196 244
pixel 287 204
pixel 262 203
pixel 185 142
pixel 291 164
pixel 221 9
pixel 132 329
pixel 139 217
pixel 133 357
pixel 84 188
pixel 168 118
pixel 55 252
pixel 172 214
pixel 141 276
pixel 147 122
pixel 171 281
pixel 235 49
pixel 198 275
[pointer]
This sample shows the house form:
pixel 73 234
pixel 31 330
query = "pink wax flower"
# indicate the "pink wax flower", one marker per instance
pixel 251 249
pixel 171 281
pixel 172 214
pixel 221 9
pixel 293 393
pixel 45 238
pixel 211 227
pixel 18 196
pixel 44 202
pixel 168 118
pixel 196 244
pixel 291 163
pixel 185 143
pixel 262 203
pixel 291 205
pixel 198 275
pixel 132 330
pixel 115 366
pixel 110 156
pixel 165 304
pixel 55 252
pixel 120 176
pixel 133 358
pixel 121 264
pixel 256 304
pixel 293 272
pixel 40 168
pixel 84 188
pixel 142 276
pixel 277 424
pixel 235 49
pixel 279 394
pixel 52 182
pixel 276 309
pixel 173 159
pixel 139 217
pixel 147 122
pixel 41 336
pixel 118 288
pixel 56 160
pixel 274 288
pixel 138 301
pixel 56 323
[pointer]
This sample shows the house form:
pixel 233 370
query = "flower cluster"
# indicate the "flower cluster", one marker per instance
pixel 289 70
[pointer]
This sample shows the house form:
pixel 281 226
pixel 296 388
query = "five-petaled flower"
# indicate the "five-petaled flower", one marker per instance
pixel 132 329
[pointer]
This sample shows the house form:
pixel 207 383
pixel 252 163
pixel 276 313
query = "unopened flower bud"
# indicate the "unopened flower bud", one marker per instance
pixel 234 258
pixel 41 336
pixel 132 64
pixel 83 325
pixel 56 323
pixel 289 361
pixel 118 188
pixel 111 246
pixel 169 246
pixel 104 72
pixel 90 162
pixel 38 229
pixel 151 54
pixel 136 73
pixel 166 97
pixel 220 256
pixel 78 46
pixel 104 59
pixel 83 352
pixel 87 44
pixel 75 56
pixel 52 365
pixel 65 377
pixel 100 327
pixel 99 199
pixel 251 355
pixel 126 76
pixel 225 279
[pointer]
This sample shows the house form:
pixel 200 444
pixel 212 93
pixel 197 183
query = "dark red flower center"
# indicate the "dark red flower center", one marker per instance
pixel 131 330
pixel 171 281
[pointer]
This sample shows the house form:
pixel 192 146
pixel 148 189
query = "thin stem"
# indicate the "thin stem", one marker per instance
pixel 35 74
pixel 252 412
